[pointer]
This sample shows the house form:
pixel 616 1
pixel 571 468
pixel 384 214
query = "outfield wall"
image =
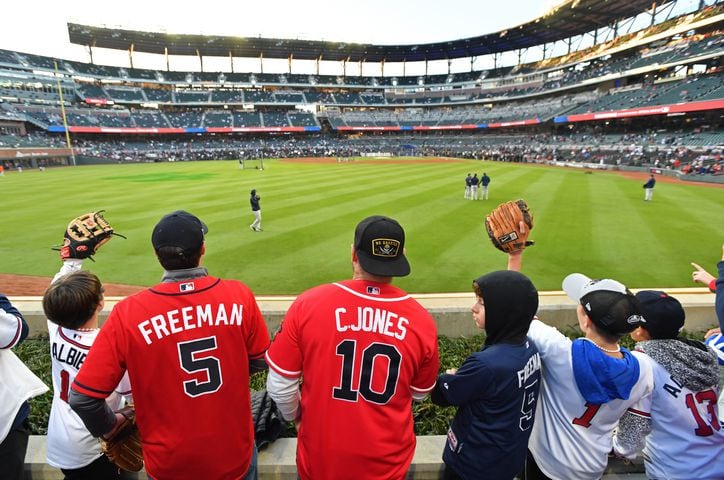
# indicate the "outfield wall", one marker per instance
pixel 450 310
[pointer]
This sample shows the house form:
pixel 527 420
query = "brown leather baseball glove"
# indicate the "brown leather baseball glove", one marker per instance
pixel 123 445
pixel 503 226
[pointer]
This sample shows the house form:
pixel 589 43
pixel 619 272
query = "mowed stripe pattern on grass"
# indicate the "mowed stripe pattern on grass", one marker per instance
pixel 595 223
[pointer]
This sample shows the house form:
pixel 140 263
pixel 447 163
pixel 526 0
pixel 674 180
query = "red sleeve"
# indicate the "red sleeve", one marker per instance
pixel 426 376
pixel 284 355
pixel 104 366
pixel 257 341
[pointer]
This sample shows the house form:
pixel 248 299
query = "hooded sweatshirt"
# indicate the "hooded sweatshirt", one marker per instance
pixel 496 388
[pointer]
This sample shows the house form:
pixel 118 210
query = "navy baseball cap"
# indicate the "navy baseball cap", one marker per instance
pixel 663 315
pixel 380 242
pixel 179 229
pixel 608 303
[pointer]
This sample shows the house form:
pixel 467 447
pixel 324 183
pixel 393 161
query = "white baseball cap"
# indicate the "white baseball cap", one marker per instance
pixel 607 302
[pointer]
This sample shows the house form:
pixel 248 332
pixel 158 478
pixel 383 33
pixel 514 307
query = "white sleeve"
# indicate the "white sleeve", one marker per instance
pixel 124 388
pixel 69 265
pixel 285 393
pixel 548 339
pixel 10 329
pixel 418 396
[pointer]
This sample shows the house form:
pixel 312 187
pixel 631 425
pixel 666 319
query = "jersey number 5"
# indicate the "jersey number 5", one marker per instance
pixel 190 363
pixel 347 349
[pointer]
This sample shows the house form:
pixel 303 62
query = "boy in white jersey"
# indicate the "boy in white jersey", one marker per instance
pixel 588 383
pixel 679 419
pixel 72 304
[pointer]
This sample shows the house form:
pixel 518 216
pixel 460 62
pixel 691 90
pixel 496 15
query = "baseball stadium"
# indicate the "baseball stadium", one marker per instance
pixel 569 114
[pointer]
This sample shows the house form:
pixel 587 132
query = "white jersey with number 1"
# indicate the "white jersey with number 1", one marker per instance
pixel 70 445
pixel 571 439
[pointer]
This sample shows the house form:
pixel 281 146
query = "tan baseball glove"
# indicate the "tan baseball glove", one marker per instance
pixel 85 235
pixel 123 446
pixel 503 226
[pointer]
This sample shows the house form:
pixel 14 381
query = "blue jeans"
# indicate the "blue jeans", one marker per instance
pixel 251 473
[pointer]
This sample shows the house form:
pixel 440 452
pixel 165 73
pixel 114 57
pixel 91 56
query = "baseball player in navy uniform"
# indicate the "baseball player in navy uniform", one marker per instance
pixel 468 185
pixel 484 182
pixel 256 210
pixel 496 388
pixel 474 187
pixel 649 188
pixel 679 419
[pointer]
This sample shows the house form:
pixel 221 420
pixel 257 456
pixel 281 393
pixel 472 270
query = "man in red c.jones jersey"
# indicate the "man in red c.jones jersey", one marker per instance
pixel 365 349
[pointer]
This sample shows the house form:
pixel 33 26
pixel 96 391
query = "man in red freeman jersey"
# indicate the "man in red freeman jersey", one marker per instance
pixel 365 349
pixel 189 345
pixel 677 425
pixel 496 388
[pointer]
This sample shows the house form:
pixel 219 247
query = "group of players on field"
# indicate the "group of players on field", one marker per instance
pixel 346 365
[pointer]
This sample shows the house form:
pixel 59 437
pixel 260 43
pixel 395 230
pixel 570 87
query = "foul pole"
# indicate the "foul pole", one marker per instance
pixel 62 111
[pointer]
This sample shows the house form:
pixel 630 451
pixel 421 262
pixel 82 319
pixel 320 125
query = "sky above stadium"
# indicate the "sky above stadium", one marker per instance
pixel 40 26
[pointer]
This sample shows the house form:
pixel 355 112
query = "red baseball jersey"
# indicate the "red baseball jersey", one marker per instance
pixel 186 346
pixel 363 348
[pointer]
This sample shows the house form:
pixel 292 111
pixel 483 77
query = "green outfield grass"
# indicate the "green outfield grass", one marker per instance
pixel 595 223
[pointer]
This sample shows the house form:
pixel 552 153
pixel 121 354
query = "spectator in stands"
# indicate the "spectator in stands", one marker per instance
pixel 490 430
pixel 194 362
pixel 358 376
pixel 72 304
pixel 679 418
pixel 714 337
pixel 588 383
pixel 17 385
pixel 649 188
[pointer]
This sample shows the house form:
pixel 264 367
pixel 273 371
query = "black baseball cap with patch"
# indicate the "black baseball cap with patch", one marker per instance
pixel 608 303
pixel 179 229
pixel 380 242
pixel 663 315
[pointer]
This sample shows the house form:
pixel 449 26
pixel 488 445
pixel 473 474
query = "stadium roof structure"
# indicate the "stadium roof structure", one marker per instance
pixel 566 20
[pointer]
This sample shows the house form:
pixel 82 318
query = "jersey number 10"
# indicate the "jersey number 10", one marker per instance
pixel 371 355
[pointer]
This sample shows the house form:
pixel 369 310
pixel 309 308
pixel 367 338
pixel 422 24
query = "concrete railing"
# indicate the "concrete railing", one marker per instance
pixel 450 310
pixel 278 461
pixel 452 314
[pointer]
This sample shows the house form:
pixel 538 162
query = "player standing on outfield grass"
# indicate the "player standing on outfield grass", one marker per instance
pixel 468 185
pixel 72 304
pixel 484 182
pixel 474 182
pixel 496 388
pixel 649 188
pixel 679 419
pixel 364 350
pixel 189 344
pixel 256 210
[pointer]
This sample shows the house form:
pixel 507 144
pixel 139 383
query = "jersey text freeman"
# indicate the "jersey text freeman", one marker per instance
pixel 178 320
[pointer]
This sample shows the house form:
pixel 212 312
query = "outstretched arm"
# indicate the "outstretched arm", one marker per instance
pixel 515 259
